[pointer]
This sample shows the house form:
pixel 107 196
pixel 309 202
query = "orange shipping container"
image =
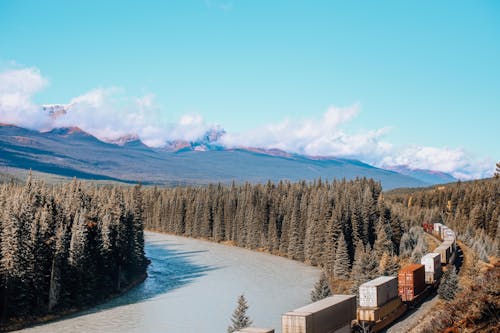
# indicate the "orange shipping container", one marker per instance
pixel 411 281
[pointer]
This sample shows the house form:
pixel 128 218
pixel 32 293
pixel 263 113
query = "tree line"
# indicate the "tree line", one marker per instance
pixel 342 226
pixel 67 246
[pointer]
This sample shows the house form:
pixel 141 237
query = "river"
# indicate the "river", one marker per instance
pixel 192 288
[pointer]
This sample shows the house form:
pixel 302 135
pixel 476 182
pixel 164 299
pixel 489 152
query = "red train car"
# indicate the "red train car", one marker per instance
pixel 428 227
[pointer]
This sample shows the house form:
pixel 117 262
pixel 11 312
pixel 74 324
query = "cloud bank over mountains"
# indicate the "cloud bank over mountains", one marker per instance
pixel 109 114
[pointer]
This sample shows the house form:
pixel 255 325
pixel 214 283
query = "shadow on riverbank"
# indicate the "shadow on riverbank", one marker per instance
pixel 168 270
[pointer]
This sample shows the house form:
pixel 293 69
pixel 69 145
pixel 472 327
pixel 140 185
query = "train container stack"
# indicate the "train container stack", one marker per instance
pixel 449 235
pixel 378 301
pixel 437 229
pixel 445 253
pixel 411 282
pixel 432 267
pixel 428 227
pixel 333 314
pixel 255 330
pixel 378 292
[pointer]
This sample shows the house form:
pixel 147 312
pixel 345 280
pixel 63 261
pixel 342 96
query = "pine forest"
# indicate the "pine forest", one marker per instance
pixel 67 247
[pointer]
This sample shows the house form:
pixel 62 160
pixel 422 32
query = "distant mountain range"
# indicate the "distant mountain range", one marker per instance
pixel 427 176
pixel 74 153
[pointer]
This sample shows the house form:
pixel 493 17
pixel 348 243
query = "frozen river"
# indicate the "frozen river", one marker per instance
pixel 192 288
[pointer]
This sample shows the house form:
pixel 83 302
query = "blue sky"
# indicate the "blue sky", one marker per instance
pixel 423 74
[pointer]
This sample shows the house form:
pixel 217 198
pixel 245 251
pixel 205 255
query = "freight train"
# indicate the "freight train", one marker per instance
pixel 381 301
pixel 414 283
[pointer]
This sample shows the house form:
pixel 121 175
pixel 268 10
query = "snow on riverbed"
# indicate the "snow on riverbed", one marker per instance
pixel 192 288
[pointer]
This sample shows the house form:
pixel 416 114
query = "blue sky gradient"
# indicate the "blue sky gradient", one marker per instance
pixel 428 70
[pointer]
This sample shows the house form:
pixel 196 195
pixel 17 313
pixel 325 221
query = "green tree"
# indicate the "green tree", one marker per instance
pixel 341 269
pixel 240 319
pixel 388 265
pixel 449 284
pixel 321 288
pixel 383 243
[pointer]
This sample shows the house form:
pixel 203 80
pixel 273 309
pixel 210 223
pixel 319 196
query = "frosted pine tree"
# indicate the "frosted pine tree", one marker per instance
pixel 342 263
pixel 321 288
pixel 383 243
pixel 388 265
pixel 240 318
pixel 449 284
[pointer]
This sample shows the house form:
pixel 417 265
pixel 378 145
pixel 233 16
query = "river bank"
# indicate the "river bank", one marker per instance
pixel 20 323
pixel 193 286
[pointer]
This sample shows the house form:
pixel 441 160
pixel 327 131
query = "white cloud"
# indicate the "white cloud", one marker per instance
pixel 326 137
pixel 17 87
pixel 457 162
pixel 110 114
pixel 321 136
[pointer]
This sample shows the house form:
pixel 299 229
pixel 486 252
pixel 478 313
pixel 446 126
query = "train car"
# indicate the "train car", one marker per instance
pixel 446 251
pixel 428 227
pixel 432 267
pixel 443 231
pixel 333 314
pixel 437 229
pixel 379 303
pixel 448 233
pixel 452 249
pixel 411 282
pixel 378 291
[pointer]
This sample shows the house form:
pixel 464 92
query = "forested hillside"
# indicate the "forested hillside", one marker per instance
pixel 471 208
pixel 66 247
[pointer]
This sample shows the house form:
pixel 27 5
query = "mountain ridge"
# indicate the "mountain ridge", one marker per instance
pixel 73 152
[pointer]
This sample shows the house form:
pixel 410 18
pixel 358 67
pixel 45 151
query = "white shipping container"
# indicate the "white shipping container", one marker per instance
pixel 446 249
pixel 449 235
pixel 437 228
pixel 378 291
pixel 432 263
pixel 443 230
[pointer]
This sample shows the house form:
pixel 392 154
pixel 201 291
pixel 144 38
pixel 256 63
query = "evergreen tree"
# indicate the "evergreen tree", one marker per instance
pixel 365 266
pixel 449 284
pixel 369 214
pixel 321 288
pixel 240 319
pixel 342 264
pixel 383 243
pixel 59 245
pixel 388 265
pixel 419 250
pixel 137 208
pixel 296 237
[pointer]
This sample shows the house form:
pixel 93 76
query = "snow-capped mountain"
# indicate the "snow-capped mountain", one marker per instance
pixel 207 142
pixel 72 152
pixel 55 110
